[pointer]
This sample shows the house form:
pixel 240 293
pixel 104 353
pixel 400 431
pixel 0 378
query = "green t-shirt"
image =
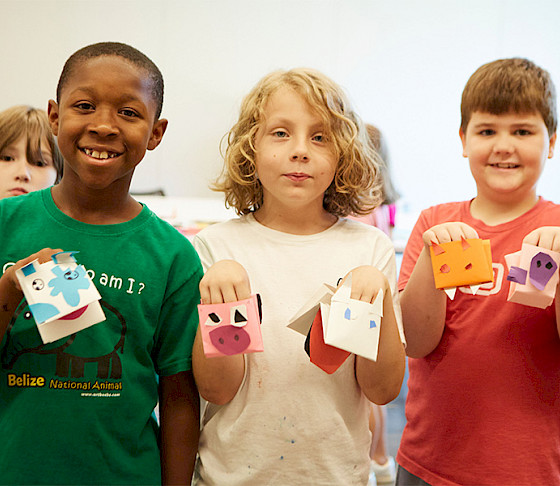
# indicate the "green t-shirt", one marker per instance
pixel 79 410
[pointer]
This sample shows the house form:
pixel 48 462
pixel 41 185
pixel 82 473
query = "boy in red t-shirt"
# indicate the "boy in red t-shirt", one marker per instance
pixel 484 403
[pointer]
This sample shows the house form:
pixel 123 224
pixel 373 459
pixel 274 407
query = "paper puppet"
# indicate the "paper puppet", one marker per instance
pixel 231 328
pixel 60 295
pixel 461 263
pixel 336 325
pixel 533 273
pixel 321 354
pixel 353 325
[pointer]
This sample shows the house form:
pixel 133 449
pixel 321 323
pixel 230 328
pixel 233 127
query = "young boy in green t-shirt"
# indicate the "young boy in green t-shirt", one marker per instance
pixel 79 410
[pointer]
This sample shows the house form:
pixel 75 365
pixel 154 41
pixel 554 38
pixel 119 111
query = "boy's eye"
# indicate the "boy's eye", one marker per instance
pixel 41 163
pixel 6 158
pixel 486 132
pixel 522 132
pixel 318 138
pixel 84 106
pixel 280 134
pixel 129 112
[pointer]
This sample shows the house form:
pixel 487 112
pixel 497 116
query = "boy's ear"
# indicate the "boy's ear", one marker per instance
pixel 52 113
pixel 463 141
pixel 157 133
pixel 551 146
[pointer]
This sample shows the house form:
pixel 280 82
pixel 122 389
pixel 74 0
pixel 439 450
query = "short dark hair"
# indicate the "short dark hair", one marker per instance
pixel 125 51
pixel 505 85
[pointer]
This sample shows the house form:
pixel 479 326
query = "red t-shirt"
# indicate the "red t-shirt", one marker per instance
pixel 484 406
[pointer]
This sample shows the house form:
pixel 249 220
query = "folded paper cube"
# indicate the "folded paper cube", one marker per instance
pixel 467 262
pixel 61 296
pixel 231 328
pixel 533 276
pixel 353 325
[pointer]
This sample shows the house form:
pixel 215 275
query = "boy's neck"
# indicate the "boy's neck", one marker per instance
pixel 298 222
pixel 91 207
pixel 494 212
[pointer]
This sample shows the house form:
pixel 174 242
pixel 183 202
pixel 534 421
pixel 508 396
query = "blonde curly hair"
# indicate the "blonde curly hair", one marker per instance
pixel 356 187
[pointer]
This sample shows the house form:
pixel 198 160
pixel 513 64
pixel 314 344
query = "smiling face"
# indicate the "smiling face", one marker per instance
pixel 105 122
pixel 18 175
pixel 295 163
pixel 507 154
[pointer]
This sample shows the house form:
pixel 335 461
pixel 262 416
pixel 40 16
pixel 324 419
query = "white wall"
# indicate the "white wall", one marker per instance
pixel 403 63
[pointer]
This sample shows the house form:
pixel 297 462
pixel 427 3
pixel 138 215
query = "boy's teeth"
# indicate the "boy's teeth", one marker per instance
pixel 99 155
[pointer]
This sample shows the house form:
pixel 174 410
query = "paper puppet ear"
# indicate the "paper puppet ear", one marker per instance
pixel 465 243
pixel 541 270
pixel 517 275
pixel 438 250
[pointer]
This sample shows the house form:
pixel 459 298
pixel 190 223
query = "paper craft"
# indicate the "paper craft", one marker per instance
pixel 347 325
pixel 467 262
pixel 231 328
pixel 533 273
pixel 326 357
pixel 353 325
pixel 61 297
pixel 302 320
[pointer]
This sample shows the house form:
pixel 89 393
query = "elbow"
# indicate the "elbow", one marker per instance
pixel 217 397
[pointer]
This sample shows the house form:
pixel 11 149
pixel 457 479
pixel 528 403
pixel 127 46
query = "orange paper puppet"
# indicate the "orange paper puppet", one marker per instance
pixel 460 263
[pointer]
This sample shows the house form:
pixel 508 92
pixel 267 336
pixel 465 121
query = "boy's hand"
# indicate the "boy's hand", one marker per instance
pixel 446 232
pixel 366 282
pixel 225 281
pixel 547 237
pixel 43 256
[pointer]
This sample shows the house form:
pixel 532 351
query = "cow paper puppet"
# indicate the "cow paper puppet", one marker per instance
pixel 461 263
pixel 533 276
pixel 353 325
pixel 231 328
pixel 60 295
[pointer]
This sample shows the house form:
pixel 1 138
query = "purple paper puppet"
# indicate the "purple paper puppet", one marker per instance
pixel 231 328
pixel 533 273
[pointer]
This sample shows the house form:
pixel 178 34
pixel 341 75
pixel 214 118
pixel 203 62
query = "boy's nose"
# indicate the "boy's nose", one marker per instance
pixel 23 172
pixel 103 124
pixel 300 152
pixel 503 144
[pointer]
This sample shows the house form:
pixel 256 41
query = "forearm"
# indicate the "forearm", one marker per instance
pixel 557 307
pixel 381 380
pixel 10 297
pixel 180 425
pixel 219 378
pixel 423 309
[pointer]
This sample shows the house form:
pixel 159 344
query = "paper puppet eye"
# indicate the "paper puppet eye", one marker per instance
pixel 541 270
pixel 38 284
pixel 468 266
pixel 445 268
pixel 213 319
pixel 238 315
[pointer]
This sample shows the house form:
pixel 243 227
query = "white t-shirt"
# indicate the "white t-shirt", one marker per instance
pixel 290 422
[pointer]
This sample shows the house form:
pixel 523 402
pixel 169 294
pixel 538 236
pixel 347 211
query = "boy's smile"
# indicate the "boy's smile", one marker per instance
pixel 105 122
pixel 507 154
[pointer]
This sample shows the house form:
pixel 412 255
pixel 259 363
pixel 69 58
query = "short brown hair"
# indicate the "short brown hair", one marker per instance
pixel 505 85
pixel 33 124
pixel 356 187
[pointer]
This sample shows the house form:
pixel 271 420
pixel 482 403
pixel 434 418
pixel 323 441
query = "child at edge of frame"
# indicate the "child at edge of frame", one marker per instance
pixel 83 412
pixel 483 403
pixel 297 161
